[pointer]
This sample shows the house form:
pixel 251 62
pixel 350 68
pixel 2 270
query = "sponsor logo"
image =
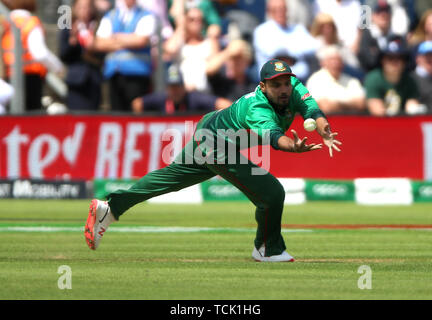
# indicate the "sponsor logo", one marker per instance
pixel 223 190
pixel 425 191
pixel 40 189
pixel 106 212
pixel 330 189
pixel 5 190
pixel 307 95
pixel 383 191
pixel 102 231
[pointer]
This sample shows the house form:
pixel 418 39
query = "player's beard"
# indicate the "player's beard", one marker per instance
pixel 279 107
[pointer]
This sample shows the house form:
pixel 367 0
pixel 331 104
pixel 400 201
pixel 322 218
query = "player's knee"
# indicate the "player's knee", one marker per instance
pixel 275 196
pixel 279 196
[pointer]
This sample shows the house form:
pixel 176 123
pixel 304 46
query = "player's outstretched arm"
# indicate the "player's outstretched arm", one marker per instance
pixel 323 128
pixel 296 145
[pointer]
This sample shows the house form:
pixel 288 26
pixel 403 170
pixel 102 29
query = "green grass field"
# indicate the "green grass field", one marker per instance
pixel 214 263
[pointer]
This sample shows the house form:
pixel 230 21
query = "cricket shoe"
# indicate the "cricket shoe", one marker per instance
pixel 258 255
pixel 99 218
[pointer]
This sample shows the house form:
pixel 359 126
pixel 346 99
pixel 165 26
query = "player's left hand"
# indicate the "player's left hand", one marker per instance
pixel 331 142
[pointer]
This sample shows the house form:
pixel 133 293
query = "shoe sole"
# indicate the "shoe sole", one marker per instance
pixel 291 260
pixel 89 227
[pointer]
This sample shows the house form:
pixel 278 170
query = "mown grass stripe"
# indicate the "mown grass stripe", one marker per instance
pixel 131 229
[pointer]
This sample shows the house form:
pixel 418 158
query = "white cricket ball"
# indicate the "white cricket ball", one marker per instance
pixel 309 124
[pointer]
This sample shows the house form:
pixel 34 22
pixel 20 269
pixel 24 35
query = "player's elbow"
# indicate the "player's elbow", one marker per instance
pixel 222 103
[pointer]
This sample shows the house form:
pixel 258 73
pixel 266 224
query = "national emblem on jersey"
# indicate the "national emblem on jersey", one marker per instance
pixel 279 66
pixel 288 114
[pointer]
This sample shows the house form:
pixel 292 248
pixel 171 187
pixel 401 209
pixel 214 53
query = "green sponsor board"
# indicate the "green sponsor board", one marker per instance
pixel 329 190
pixel 103 187
pixel 422 191
pixel 220 190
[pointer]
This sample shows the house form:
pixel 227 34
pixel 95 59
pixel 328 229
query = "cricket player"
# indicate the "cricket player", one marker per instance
pixel 266 113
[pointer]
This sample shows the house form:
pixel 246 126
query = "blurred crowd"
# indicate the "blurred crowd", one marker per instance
pixel 368 57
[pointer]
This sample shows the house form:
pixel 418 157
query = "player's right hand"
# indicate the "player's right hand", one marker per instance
pixel 301 146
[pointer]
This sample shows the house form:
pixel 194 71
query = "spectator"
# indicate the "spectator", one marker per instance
pixel 228 71
pixel 400 19
pixel 276 37
pixel 254 8
pixel 188 48
pixel 124 34
pixel 300 12
pixel 37 59
pixel 6 93
pixel 423 75
pixel 103 6
pixel 421 6
pixel 239 18
pixel 390 90
pixel 84 77
pixel 324 30
pixel 238 21
pixel 375 39
pixel 335 91
pixel 159 9
pixel 423 32
pixel 347 15
pixel 211 19
pixel 178 99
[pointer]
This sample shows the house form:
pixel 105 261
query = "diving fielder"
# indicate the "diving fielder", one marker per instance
pixel 266 112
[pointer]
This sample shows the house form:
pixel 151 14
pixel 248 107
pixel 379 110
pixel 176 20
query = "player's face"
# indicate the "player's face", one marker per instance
pixel 278 90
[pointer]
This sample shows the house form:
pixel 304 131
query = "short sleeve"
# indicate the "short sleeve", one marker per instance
pixel 372 86
pixel 355 89
pixel 315 87
pixel 146 26
pixel 105 28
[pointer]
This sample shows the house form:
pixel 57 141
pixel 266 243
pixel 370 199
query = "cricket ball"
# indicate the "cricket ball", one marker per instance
pixel 309 124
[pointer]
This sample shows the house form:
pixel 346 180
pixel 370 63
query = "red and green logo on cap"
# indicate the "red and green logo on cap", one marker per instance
pixel 274 68
pixel 279 66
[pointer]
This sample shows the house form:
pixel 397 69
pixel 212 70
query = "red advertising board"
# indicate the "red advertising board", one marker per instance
pixel 106 146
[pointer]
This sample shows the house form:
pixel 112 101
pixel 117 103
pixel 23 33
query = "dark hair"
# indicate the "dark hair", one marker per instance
pixel 29 5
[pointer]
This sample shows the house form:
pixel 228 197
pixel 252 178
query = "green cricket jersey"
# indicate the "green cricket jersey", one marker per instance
pixel 253 112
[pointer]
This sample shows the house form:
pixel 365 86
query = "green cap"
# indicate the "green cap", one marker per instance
pixel 275 68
